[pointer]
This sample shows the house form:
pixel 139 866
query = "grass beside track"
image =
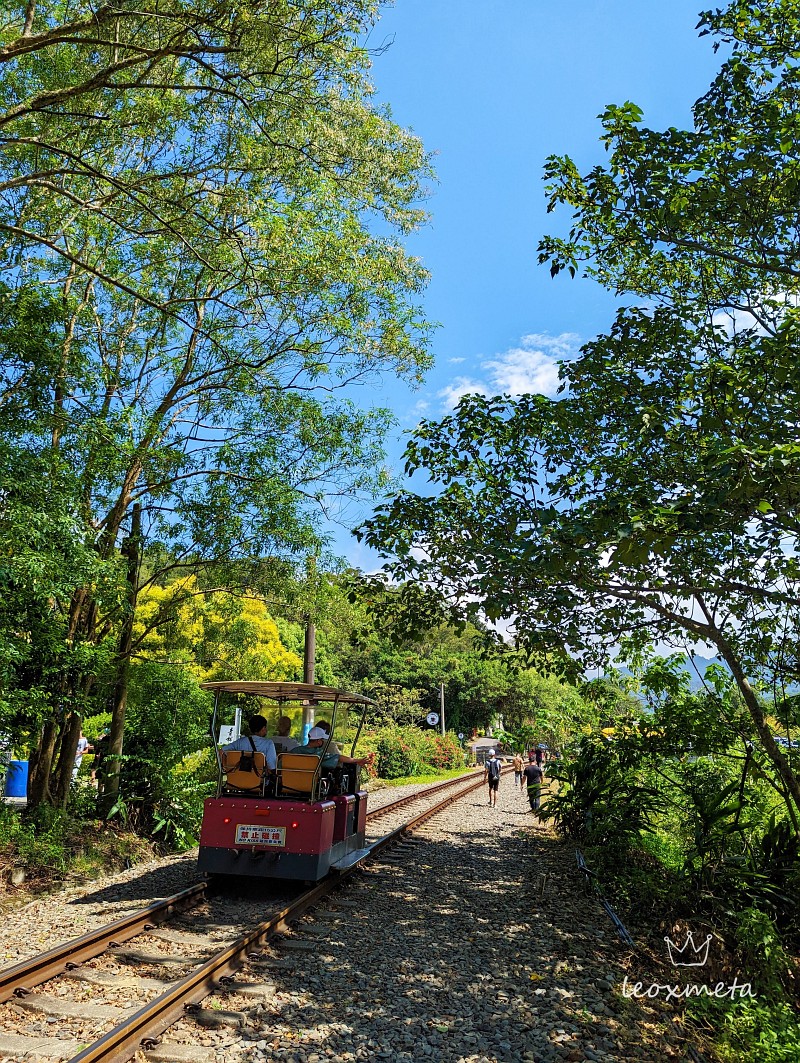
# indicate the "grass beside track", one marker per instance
pixel 38 856
pixel 408 780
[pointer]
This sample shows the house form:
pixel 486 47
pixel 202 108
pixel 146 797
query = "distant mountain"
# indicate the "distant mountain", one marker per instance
pixel 695 667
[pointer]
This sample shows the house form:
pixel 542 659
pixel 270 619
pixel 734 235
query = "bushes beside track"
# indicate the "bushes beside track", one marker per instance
pixel 45 847
pixel 398 752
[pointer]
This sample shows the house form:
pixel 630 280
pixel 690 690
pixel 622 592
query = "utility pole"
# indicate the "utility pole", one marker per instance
pixel 441 705
pixel 309 657
pixel 309 651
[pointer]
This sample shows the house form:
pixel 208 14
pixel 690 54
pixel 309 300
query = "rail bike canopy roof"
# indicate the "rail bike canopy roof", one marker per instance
pixel 308 692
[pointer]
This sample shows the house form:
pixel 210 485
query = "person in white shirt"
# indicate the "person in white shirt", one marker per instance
pixel 83 747
pixel 283 741
pixel 258 742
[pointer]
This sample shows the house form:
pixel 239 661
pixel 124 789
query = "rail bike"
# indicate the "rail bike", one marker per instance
pixel 305 818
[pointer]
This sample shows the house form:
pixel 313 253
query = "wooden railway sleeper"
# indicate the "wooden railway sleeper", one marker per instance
pixel 20 979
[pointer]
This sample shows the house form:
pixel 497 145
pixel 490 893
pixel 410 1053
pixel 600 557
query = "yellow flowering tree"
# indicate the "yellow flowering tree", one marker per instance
pixel 213 635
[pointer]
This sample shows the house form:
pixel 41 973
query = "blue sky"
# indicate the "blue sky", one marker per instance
pixel 493 89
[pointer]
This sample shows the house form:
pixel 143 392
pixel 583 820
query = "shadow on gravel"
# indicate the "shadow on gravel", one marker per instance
pixel 156 883
pixel 467 952
pixel 150 885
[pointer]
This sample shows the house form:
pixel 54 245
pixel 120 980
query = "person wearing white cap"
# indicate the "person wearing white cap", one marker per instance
pixel 326 727
pixel 491 774
pixel 314 747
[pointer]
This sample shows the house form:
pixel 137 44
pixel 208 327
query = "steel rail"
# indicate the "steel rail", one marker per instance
pixel 429 791
pixel 24 976
pixel 398 833
pixel 124 1040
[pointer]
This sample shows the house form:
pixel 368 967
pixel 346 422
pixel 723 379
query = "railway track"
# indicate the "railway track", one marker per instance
pixel 171 968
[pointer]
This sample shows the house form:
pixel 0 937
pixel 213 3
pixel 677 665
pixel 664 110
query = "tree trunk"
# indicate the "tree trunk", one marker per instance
pixel 62 776
pixel 113 763
pixel 710 632
pixel 779 761
pixel 41 765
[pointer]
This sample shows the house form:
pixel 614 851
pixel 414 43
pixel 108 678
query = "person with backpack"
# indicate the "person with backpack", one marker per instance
pixel 491 774
pixel 256 742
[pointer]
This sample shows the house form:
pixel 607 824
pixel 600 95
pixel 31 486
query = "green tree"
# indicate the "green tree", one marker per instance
pixel 213 635
pixel 164 123
pixel 483 677
pixel 46 549
pixel 211 205
pixel 656 499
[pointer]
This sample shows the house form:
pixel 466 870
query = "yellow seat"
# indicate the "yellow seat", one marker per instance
pixel 297 771
pixel 244 778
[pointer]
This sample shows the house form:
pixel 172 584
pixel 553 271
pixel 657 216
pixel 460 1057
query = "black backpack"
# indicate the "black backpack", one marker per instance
pixel 247 761
pixel 494 769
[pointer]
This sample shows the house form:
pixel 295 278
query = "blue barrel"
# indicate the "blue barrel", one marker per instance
pixel 17 779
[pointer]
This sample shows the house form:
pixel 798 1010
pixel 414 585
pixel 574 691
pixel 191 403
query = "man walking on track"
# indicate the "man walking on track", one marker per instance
pixel 518 770
pixel 533 777
pixel 491 774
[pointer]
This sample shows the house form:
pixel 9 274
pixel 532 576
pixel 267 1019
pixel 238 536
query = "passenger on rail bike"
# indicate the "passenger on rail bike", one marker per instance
pixel 283 741
pixel 316 740
pixel 323 725
pixel 342 768
pixel 257 742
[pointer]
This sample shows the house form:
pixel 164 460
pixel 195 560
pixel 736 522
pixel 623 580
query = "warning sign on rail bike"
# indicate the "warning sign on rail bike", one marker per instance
pixel 259 834
pixel 432 718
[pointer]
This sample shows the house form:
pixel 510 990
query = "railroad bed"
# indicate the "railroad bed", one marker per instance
pixel 51 920
pixel 429 953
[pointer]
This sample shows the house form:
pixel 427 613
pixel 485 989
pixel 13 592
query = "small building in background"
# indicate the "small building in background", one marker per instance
pixel 480 749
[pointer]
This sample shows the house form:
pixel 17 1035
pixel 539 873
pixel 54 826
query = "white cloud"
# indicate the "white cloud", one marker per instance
pixel 455 361
pixel 764 315
pixel 529 368
pixel 461 386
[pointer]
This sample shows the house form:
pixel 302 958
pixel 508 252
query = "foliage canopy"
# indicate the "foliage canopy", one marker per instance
pixel 656 499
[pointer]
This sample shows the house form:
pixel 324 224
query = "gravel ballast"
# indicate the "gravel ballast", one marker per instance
pixel 474 942
pixel 51 919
